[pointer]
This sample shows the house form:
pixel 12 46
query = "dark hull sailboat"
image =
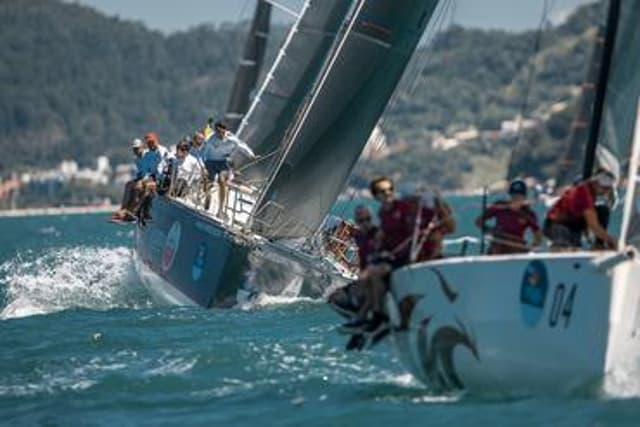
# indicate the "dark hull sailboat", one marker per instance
pixel 308 124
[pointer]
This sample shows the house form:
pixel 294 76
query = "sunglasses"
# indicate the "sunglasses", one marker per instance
pixel 384 190
pixel 183 149
pixel 363 219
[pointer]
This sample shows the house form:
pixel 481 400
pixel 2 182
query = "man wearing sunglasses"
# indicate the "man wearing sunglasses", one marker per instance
pixel 411 229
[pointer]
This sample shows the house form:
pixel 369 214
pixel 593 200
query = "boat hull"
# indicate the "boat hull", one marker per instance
pixel 185 257
pixel 533 322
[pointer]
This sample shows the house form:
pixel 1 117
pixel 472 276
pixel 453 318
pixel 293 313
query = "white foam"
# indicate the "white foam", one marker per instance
pixel 64 278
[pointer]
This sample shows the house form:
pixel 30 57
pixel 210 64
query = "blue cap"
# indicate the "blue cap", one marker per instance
pixel 518 186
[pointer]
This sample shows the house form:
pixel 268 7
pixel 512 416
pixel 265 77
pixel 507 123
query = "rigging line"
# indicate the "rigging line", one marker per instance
pixel 537 42
pixel 270 74
pixel 300 122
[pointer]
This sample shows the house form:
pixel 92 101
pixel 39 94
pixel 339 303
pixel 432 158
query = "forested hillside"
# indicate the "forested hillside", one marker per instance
pixel 77 84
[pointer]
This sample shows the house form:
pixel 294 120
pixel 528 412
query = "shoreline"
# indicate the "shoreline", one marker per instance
pixel 66 210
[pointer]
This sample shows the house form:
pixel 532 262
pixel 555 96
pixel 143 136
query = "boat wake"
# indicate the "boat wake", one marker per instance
pixel 64 278
pixel 290 294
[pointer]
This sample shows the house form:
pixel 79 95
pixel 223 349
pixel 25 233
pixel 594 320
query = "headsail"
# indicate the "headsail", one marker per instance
pixel 250 65
pixel 623 87
pixel 290 80
pixel 331 130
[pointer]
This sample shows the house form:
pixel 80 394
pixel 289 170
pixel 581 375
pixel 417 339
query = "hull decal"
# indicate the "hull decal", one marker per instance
pixel 171 246
pixel 533 292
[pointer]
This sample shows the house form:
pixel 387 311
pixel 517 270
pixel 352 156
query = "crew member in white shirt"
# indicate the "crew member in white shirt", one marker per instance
pixel 185 170
pixel 217 154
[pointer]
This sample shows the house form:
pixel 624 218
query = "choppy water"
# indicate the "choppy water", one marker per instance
pixel 83 344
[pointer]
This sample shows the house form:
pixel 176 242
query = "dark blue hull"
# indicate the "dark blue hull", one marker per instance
pixel 186 257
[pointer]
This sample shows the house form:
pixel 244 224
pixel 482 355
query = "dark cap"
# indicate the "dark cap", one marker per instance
pixel 518 186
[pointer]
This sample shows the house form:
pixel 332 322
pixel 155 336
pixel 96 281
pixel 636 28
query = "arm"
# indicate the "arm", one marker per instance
pixel 448 222
pixel 591 217
pixel 241 145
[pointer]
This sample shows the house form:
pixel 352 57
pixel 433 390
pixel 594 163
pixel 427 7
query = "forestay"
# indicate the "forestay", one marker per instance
pixel 250 65
pixel 289 80
pixel 331 130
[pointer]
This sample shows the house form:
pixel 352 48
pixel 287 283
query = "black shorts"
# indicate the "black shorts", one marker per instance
pixel 214 167
pixel 562 235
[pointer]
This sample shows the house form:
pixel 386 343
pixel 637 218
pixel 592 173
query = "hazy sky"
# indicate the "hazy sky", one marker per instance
pixel 175 15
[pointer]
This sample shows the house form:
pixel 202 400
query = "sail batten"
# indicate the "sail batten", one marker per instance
pixel 336 122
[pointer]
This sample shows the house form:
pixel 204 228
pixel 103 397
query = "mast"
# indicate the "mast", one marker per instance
pixel 249 66
pixel 601 88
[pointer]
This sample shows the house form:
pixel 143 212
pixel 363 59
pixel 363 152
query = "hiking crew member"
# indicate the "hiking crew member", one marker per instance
pixel 512 219
pixel 575 213
pixel 133 187
pixel 366 236
pixel 217 158
pixel 400 232
pixel 151 170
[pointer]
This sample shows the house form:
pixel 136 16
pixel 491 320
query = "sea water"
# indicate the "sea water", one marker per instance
pixel 83 343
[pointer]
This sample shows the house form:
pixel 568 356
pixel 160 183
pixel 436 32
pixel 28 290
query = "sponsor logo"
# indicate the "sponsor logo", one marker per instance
pixel 533 292
pixel 171 246
pixel 199 261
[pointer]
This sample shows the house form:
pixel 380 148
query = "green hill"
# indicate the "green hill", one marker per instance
pixel 77 84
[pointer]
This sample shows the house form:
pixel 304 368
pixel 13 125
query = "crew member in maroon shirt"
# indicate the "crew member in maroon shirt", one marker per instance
pixel 400 231
pixel 575 213
pixel 513 218
pixel 423 218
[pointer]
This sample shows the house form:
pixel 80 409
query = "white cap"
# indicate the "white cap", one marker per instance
pixel 136 143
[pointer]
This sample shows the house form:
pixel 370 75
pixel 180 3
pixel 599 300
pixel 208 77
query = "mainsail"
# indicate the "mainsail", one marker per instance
pixel 250 65
pixel 290 80
pixel 331 129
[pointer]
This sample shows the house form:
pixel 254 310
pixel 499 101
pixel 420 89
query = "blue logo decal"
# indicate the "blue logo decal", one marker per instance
pixel 198 262
pixel 533 292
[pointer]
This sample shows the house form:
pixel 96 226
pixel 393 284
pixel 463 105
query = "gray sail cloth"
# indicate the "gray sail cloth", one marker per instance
pixel 330 133
pixel 571 163
pixel 621 102
pixel 289 81
pixel 250 65
pixel 623 88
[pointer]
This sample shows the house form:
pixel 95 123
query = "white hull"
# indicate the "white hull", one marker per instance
pixel 552 322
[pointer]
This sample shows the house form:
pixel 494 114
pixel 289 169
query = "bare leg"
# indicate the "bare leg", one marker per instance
pixel 222 194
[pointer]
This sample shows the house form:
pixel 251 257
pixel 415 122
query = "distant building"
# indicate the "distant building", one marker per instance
pixel 511 128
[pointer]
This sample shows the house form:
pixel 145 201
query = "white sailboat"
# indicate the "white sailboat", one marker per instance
pixel 552 322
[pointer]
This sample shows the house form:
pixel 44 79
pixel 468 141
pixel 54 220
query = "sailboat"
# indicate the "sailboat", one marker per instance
pixel 308 124
pixel 549 322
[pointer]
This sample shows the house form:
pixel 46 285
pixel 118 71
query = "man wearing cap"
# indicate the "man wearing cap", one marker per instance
pixel 133 187
pixel 575 213
pixel 512 219
pixel 217 153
